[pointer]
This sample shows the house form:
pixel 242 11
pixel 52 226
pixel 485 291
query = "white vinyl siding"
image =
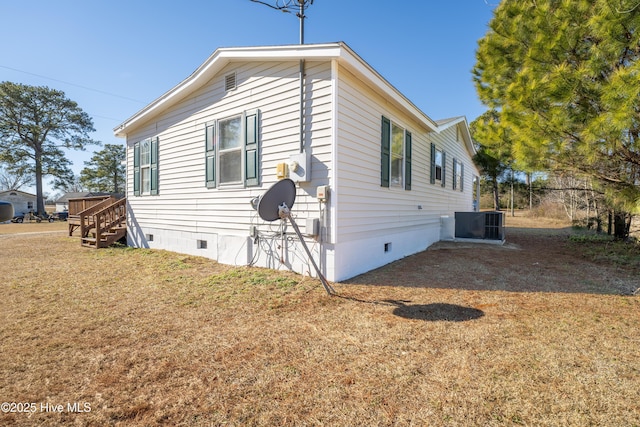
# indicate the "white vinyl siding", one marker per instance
pixel 365 209
pixel 185 203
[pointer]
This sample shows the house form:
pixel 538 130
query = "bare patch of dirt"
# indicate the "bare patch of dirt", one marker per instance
pixel 536 257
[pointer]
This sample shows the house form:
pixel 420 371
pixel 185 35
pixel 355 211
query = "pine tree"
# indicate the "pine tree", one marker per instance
pixel 105 171
pixel 494 154
pixel 565 76
pixel 36 123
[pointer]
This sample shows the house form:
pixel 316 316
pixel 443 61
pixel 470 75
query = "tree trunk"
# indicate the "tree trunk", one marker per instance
pixel 39 193
pixel 620 230
pixel 530 184
pixel 496 196
pixel 512 207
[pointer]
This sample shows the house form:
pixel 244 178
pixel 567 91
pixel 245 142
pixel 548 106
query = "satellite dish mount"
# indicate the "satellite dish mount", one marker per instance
pixel 275 204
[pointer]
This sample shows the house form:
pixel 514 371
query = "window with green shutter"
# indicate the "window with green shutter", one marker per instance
pixel 251 153
pixel 136 169
pixel 438 162
pixel 395 156
pixel 443 174
pixel 232 151
pixel 210 158
pixel 145 167
pixel 407 160
pixel 432 168
pixel 385 153
pixel 153 167
pixel 458 175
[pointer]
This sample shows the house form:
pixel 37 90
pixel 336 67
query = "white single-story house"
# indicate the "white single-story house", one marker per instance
pixel 22 202
pixel 375 175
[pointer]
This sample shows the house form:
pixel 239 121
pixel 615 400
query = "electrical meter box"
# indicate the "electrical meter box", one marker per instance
pixel 300 167
pixel 322 192
pixel 282 170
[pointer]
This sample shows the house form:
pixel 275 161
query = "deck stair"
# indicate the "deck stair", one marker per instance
pixel 79 205
pixel 104 223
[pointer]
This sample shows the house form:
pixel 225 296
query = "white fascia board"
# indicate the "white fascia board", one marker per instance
pixel 447 123
pixel 466 133
pixel 217 61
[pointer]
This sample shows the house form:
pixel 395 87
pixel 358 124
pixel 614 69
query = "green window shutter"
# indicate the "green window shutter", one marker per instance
pixel 154 166
pixel 432 177
pixel 461 166
pixel 455 171
pixel 385 156
pixel 136 169
pixel 407 160
pixel 251 150
pixel 444 167
pixel 210 155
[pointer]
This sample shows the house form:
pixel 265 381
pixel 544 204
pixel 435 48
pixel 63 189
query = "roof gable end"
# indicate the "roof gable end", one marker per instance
pixel 223 56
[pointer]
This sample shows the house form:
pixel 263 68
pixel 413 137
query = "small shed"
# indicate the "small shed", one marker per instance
pixel 62 204
pixel 22 202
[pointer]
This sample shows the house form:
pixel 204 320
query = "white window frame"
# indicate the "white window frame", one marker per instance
pixel 438 163
pixel 145 167
pixel 221 152
pixel 397 181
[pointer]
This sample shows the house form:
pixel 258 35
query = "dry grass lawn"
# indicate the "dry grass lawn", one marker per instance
pixel 537 333
pixel 33 227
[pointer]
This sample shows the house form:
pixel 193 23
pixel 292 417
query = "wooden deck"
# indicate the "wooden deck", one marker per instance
pixel 102 220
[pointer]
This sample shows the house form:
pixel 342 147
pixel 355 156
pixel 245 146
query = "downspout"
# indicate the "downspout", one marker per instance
pixel 302 105
pixel 301 16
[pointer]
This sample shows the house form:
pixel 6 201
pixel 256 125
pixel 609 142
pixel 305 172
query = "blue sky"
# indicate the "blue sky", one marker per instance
pixel 113 57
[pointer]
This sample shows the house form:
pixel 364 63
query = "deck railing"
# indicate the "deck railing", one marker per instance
pixel 88 218
pixel 80 206
pixel 108 219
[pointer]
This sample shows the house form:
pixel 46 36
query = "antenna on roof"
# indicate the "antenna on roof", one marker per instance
pixel 286 6
pixel 275 204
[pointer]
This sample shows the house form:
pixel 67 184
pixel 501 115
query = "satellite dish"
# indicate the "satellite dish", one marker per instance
pixel 283 191
pixel 6 211
pixel 275 204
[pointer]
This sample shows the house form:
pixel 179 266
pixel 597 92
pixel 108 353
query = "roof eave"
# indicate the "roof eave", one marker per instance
pixel 223 56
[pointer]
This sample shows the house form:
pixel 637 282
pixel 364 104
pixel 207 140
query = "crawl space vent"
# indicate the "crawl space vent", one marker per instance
pixel 230 81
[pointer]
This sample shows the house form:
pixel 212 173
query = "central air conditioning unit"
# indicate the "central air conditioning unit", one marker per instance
pixel 479 225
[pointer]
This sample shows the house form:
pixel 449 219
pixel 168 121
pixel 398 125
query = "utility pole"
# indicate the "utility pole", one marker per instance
pixel 286 6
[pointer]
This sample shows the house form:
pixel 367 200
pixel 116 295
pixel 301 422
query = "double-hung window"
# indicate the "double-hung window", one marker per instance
pixel 230 143
pixel 145 167
pixel 438 162
pixel 395 156
pixel 231 151
pixel 458 175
